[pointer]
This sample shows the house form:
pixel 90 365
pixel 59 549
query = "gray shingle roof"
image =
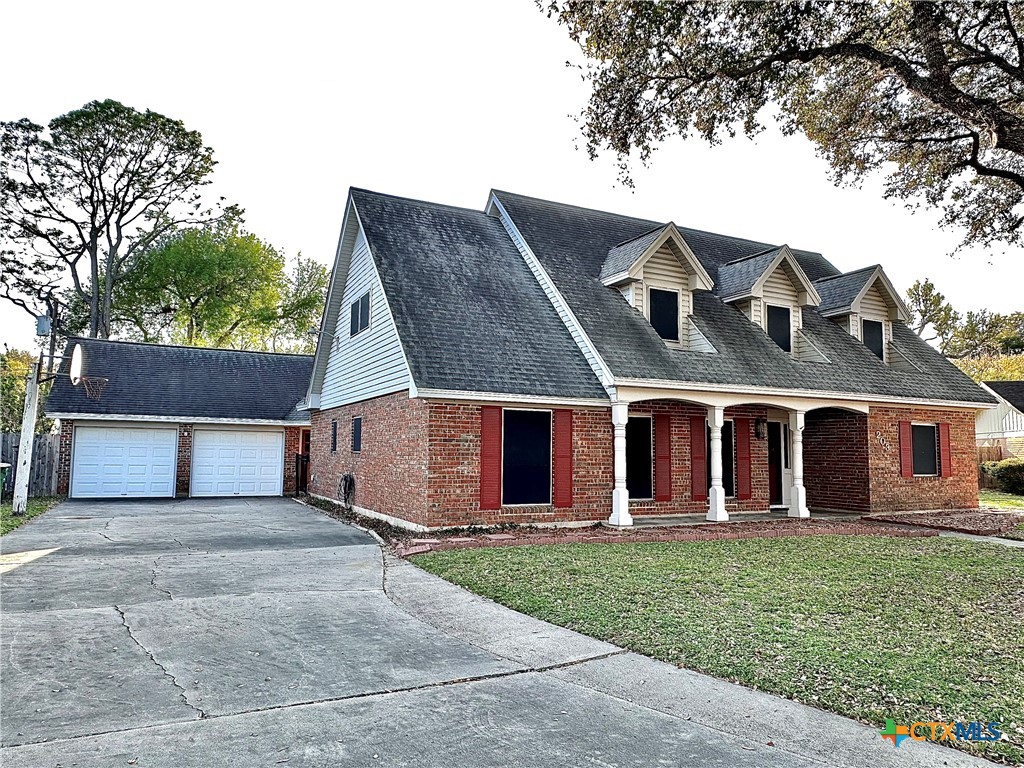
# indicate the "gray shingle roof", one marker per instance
pixel 737 278
pixel 470 314
pixel 624 255
pixel 572 244
pixel 1011 391
pixel 838 292
pixel 185 382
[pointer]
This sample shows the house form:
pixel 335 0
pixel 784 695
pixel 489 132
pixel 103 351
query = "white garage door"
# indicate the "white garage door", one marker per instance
pixel 123 461
pixel 229 462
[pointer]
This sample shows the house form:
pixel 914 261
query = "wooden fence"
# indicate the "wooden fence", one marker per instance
pixel 42 480
pixel 988 453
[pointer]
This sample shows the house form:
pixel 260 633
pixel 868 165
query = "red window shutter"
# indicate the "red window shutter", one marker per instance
pixel 945 460
pixel 563 457
pixel 662 457
pixel 906 450
pixel 698 459
pixel 490 457
pixel 743 491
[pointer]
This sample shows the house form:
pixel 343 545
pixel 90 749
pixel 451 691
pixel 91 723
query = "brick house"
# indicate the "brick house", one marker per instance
pixel 181 421
pixel 536 362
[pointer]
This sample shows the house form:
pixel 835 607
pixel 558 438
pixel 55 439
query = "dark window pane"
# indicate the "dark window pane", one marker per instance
pixel 925 449
pixel 665 313
pixel 873 339
pixel 357 434
pixel 779 327
pixel 334 436
pixel 526 458
pixel 728 459
pixel 639 461
pixel 354 319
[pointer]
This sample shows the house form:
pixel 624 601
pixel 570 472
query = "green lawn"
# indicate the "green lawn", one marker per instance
pixel 1000 500
pixel 869 627
pixel 8 522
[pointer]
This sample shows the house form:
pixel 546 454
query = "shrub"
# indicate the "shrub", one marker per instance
pixel 1009 473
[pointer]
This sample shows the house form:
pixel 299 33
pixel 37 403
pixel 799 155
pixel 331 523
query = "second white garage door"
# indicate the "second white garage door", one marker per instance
pixel 236 462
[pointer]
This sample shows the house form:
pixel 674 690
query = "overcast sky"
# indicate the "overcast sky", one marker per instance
pixel 439 101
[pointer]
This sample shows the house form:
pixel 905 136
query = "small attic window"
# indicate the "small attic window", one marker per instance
pixel 871 331
pixel 780 327
pixel 359 314
pixel 665 313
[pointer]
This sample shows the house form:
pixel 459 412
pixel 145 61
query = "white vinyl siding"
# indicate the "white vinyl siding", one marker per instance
pixel 371 363
pixel 237 462
pixel 115 462
pixel 663 270
pixel 873 306
pixel 779 289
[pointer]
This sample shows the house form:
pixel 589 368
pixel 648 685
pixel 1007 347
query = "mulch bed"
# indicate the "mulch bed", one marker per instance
pixel 753 529
pixel 980 522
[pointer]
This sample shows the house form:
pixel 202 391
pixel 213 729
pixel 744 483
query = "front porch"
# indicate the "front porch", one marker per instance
pixel 772 515
pixel 705 457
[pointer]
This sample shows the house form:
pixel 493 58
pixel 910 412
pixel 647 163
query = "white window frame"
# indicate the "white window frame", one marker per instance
pixel 369 313
pixel 551 458
pixel 938 452
pixel 792 329
pixel 650 418
pixel 885 346
pixel 659 286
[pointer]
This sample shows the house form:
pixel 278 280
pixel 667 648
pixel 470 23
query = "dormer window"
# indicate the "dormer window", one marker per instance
pixel 872 332
pixel 665 313
pixel 780 327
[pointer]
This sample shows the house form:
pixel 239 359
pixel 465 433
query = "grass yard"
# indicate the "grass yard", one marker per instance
pixel 1000 500
pixel 869 627
pixel 36 507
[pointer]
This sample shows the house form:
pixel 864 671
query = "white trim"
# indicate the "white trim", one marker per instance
pixel 757 289
pixel 738 389
pixel 561 306
pixel 499 397
pixel 764 316
pixel 174 419
pixel 697 277
pixel 680 339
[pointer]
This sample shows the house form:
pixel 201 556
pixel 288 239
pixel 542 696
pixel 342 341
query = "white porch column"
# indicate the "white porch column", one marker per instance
pixel 716 494
pixel 620 496
pixel 798 494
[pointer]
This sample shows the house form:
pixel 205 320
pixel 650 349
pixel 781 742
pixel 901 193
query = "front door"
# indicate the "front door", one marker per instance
pixel 775 460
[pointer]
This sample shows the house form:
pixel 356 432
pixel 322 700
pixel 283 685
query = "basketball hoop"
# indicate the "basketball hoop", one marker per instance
pixel 93 386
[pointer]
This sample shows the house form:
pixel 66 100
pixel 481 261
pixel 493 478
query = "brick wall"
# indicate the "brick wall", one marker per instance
pixel 183 482
pixel 836 472
pixel 67 431
pixel 891 492
pixel 292 445
pixel 454 468
pixel 391 469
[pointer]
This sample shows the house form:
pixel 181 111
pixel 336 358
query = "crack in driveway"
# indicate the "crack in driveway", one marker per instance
pixel 145 650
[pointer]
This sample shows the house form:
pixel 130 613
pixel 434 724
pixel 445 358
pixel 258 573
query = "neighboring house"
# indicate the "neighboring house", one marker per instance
pixel 181 421
pixel 1004 424
pixel 536 362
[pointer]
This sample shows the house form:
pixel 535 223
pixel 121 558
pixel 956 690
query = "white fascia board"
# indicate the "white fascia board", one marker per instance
pixel 613 280
pixel 739 389
pixel 600 368
pixel 173 419
pixel 500 397
pixel 329 318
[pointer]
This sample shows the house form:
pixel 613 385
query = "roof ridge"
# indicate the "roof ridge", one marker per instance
pixel 847 274
pixel 404 199
pixel 92 339
pixel 647 221
pixel 644 234
pixel 755 255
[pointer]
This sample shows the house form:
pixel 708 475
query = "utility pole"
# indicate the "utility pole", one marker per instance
pixel 28 433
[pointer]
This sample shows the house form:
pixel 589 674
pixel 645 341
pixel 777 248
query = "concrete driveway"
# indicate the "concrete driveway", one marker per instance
pixel 262 633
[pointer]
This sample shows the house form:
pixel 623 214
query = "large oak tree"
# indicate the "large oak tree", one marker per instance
pixel 928 93
pixel 83 197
